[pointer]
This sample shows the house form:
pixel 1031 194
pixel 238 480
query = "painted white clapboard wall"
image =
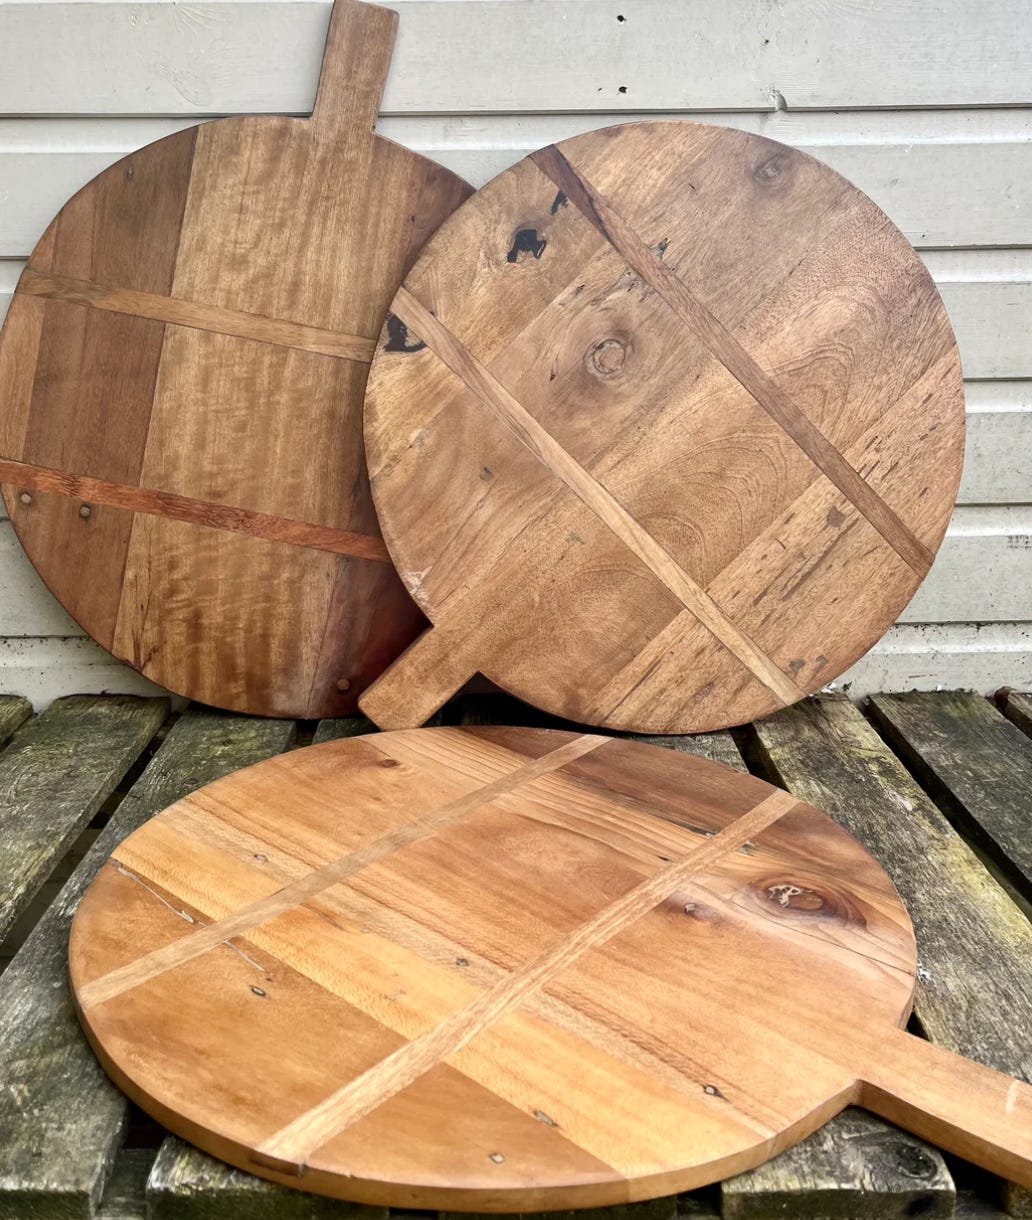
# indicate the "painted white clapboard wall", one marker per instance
pixel 925 105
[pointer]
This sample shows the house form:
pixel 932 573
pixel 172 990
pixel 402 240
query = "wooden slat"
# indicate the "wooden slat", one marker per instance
pixel 186 1184
pixel 343 726
pixel 974 993
pixel 504 709
pixel 985 316
pixel 14 711
pixel 124 1197
pixel 999 435
pixel 991 319
pixel 56 1153
pixel 974 762
pixel 980 656
pixel 579 56
pixel 857 1167
pixel 56 776
pixel 1017 708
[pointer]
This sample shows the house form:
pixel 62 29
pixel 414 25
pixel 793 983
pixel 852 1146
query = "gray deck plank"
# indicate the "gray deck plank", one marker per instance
pixel 14 711
pixel 61 1122
pixel 1017 707
pixel 55 776
pixel 975 763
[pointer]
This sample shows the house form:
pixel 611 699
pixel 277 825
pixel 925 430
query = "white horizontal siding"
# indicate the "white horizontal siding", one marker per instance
pixel 523 55
pixel 45 668
pixel 944 182
pixel 969 656
pixel 926 105
pixel 998 460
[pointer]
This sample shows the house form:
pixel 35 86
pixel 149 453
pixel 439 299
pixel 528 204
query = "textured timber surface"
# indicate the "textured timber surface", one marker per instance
pixel 826 752
pixel 664 430
pixel 181 380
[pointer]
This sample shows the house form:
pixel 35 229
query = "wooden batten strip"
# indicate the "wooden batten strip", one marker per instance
pixel 192 945
pixel 191 511
pixel 290 1147
pixel 236 322
pixel 738 362
pixel 422 324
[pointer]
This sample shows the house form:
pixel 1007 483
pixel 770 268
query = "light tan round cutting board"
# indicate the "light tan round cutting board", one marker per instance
pixel 672 434
pixel 511 969
pixel 181 382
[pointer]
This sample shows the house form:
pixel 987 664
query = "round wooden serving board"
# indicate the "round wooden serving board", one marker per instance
pixel 511 969
pixel 181 380
pixel 664 432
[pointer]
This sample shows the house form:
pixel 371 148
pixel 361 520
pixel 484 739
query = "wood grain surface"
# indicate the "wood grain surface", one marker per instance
pixel 181 379
pixel 664 430
pixel 510 969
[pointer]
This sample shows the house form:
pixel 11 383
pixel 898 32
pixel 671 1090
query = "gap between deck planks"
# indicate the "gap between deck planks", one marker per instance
pixel 824 751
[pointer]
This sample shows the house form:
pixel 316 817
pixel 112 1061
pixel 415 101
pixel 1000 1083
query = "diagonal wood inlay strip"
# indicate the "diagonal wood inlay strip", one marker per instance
pixel 194 944
pixel 193 512
pixel 422 324
pixel 294 1144
pixel 214 318
pixel 726 348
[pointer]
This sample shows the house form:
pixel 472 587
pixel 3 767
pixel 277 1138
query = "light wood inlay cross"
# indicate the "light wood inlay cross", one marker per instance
pixel 297 1142
pixel 200 317
pixel 733 431
pixel 718 340
pixel 90 492
pixel 581 970
pixel 422 324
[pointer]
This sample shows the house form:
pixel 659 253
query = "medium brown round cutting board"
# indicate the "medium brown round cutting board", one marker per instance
pixel 181 380
pixel 666 433
pixel 511 969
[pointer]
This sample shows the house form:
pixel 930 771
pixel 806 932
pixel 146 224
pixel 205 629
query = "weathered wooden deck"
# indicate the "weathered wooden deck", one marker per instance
pixel 939 787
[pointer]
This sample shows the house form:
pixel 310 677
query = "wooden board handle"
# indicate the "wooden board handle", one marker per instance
pixel 359 45
pixel 979 1114
pixel 424 677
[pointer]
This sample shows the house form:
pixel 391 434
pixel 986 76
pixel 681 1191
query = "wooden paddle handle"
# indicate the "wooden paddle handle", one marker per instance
pixel 979 1114
pixel 424 677
pixel 359 45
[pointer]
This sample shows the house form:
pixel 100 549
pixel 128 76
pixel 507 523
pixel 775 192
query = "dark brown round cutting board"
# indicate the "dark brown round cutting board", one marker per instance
pixel 511 969
pixel 181 381
pixel 663 432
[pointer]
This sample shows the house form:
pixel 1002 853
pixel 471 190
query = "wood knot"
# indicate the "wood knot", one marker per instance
pixel 796 896
pixel 773 170
pixel 526 242
pixel 608 357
